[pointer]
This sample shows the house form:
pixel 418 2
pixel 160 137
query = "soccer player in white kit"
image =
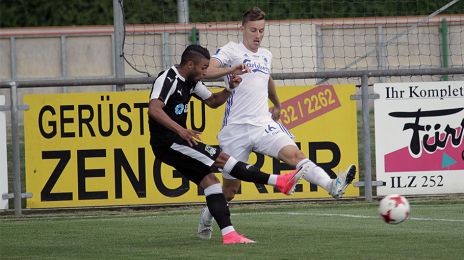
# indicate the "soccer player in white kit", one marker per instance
pixel 248 125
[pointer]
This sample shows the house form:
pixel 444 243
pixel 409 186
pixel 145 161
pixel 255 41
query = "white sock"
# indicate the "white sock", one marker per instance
pixel 272 179
pixel 212 189
pixel 229 165
pixel 207 217
pixel 300 163
pixel 227 230
pixel 316 175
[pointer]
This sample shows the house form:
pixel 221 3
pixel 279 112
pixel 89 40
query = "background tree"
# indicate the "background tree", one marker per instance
pixel 24 13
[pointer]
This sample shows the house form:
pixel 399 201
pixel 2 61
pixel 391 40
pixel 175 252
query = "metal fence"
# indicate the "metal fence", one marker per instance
pixel 364 76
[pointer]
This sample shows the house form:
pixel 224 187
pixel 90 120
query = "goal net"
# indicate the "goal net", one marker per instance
pixel 305 35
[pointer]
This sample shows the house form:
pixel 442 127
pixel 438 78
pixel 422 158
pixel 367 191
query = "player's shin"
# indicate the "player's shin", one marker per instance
pixel 245 172
pixel 218 207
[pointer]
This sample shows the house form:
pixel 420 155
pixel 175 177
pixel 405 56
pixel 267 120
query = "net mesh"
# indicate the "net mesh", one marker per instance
pixel 306 36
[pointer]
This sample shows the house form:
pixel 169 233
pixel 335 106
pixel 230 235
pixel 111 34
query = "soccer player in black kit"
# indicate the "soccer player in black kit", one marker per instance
pixel 175 145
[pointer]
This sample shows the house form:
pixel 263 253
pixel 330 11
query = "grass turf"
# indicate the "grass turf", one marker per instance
pixel 345 230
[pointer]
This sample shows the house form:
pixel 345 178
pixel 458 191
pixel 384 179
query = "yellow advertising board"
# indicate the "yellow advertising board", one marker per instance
pixel 92 149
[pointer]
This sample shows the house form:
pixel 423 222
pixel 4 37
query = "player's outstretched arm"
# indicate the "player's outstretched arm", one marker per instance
pixel 215 70
pixel 219 98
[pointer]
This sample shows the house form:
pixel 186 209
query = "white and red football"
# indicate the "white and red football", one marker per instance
pixel 394 209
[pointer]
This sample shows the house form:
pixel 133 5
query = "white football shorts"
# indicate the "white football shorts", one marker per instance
pixel 239 140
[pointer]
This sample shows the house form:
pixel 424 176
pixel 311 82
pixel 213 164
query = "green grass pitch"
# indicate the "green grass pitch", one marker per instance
pixel 304 230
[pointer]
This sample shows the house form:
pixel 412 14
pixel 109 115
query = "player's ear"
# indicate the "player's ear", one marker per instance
pixel 190 64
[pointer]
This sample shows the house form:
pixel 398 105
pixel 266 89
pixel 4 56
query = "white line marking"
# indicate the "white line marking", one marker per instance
pixel 343 215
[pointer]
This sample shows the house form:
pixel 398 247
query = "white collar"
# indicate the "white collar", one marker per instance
pixel 177 72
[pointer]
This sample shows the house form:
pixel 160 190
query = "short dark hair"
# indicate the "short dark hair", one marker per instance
pixel 253 14
pixel 194 53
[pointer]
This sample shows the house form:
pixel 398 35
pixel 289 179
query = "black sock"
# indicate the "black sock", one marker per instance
pixel 249 173
pixel 219 209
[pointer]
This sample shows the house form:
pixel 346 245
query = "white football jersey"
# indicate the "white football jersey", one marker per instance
pixel 248 103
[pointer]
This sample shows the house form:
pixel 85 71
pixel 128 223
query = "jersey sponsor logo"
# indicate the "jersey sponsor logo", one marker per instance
pixel 256 67
pixel 179 91
pixel 181 108
pixel 210 150
pixel 170 80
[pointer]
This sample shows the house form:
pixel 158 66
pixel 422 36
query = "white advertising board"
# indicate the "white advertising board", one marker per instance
pixel 419 137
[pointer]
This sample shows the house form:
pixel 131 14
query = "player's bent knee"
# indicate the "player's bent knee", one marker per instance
pixel 230 198
pixel 230 188
pixel 230 195
pixel 221 160
pixel 209 180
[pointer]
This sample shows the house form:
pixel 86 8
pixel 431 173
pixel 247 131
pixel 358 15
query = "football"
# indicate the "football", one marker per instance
pixel 394 209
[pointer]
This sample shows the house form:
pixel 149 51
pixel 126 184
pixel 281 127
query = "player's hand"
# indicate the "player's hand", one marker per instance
pixel 191 136
pixel 275 111
pixel 240 69
pixel 234 81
